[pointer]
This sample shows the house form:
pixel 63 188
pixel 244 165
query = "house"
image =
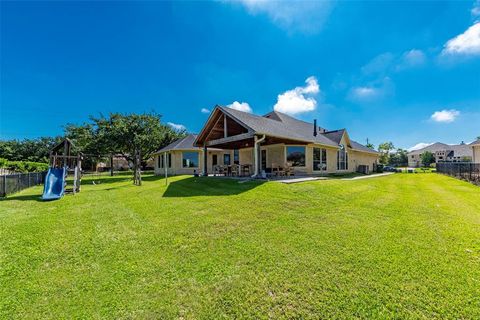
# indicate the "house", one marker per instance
pixel 259 144
pixel 442 153
pixel 182 157
pixel 475 145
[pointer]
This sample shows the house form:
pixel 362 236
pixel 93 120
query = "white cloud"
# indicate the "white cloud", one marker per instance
pixel 446 116
pixel 419 146
pixel 372 92
pixel 205 110
pixel 467 43
pixel 412 58
pixel 300 99
pixel 476 9
pixel 179 127
pixel 303 16
pixel 240 106
pixel 379 65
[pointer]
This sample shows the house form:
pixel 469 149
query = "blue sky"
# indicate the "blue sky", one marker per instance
pixel 407 72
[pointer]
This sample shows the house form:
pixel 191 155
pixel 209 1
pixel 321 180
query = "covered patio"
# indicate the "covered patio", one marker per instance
pixel 253 152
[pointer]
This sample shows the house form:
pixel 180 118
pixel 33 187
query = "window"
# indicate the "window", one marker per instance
pixel 160 160
pixel 190 159
pixel 319 159
pixel 169 160
pixel 236 158
pixel 342 159
pixel 296 155
pixel 226 159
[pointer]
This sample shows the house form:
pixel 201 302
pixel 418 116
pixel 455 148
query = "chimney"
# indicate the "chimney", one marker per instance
pixel 315 127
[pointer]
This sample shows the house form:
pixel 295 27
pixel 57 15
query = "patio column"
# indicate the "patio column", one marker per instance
pixel 205 157
pixel 256 153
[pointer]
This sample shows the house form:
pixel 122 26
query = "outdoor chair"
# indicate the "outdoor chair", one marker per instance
pixel 235 170
pixel 289 169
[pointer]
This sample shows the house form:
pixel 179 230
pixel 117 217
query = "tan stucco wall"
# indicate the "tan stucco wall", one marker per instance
pixel 177 165
pixel 275 154
pixel 476 153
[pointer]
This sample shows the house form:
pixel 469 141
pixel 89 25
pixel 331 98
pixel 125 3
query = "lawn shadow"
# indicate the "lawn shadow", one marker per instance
pixel 205 186
pixel 31 197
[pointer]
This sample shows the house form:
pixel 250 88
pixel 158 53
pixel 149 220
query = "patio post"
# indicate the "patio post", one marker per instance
pixel 205 157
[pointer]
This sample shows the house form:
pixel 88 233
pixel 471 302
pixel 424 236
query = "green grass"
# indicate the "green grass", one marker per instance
pixel 398 246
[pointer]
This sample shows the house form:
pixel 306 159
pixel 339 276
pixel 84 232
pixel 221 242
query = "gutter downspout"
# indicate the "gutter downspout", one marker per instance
pixel 257 154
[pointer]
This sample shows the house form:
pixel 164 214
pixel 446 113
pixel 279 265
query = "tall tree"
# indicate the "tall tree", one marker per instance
pixel 427 158
pixel 399 158
pixel 123 134
pixel 384 149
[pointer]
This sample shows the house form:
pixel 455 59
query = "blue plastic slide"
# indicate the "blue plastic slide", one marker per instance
pixel 54 187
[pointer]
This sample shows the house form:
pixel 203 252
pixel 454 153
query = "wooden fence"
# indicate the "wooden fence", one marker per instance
pixel 12 183
pixel 461 170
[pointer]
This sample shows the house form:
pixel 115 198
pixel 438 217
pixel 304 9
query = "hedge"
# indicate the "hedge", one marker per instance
pixel 23 166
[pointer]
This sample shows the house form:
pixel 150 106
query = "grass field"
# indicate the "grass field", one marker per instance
pixel 399 246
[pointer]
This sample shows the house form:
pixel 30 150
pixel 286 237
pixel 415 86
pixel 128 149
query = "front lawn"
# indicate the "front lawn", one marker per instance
pixel 398 246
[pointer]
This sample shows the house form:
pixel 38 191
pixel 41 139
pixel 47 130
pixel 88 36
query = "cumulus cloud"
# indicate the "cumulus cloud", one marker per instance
pixel 412 58
pixel 372 92
pixel 445 116
pixel 467 43
pixel 240 106
pixel 178 127
pixel 476 9
pixel 303 16
pixel 205 110
pixel 300 99
pixel 418 146
pixel 379 65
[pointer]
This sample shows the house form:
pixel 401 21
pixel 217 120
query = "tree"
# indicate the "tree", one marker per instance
pixel 384 149
pixel 35 150
pixel 427 158
pixel 370 146
pixel 399 158
pixel 123 134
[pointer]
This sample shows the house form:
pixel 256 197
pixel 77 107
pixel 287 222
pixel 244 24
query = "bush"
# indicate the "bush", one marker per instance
pixel 23 166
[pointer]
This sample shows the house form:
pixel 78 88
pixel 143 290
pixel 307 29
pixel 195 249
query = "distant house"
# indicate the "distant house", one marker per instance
pixel 476 151
pixel 442 153
pixel 264 144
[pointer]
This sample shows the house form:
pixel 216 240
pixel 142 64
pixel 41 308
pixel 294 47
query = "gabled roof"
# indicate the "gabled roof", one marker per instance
pixel 437 146
pixel 460 150
pixel 475 143
pixel 280 125
pixel 185 143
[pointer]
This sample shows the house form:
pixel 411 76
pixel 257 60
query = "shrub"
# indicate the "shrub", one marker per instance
pixel 23 166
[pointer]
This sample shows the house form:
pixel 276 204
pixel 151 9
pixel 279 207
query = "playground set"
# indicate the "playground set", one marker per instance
pixel 64 162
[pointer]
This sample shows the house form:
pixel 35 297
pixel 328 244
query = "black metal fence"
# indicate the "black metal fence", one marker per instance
pixel 12 183
pixel 461 170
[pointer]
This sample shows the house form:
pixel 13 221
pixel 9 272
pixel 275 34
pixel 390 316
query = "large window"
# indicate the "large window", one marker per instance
pixel 296 156
pixel 190 159
pixel 226 159
pixel 342 159
pixel 319 159
pixel 236 157
pixel 161 160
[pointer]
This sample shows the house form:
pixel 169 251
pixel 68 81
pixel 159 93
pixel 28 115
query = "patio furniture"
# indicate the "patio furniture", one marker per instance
pixel 246 169
pixel 235 170
pixel 277 170
pixel 289 169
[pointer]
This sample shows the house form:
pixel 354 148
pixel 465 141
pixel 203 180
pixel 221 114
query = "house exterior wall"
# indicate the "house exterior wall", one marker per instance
pixel 177 162
pixel 476 153
pixel 276 154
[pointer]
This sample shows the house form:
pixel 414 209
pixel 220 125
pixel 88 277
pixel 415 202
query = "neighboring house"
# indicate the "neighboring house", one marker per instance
pixel 442 153
pixel 235 137
pixel 476 150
